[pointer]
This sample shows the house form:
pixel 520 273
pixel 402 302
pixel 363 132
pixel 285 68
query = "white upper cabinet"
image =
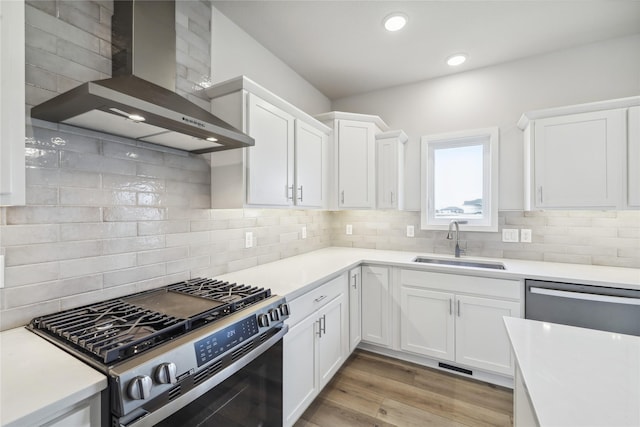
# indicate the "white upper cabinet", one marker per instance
pixel 578 157
pixel 12 102
pixel 270 161
pixel 390 169
pixel 310 164
pixel 352 182
pixel 287 167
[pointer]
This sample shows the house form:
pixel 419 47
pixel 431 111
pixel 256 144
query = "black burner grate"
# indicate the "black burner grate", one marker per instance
pixel 120 328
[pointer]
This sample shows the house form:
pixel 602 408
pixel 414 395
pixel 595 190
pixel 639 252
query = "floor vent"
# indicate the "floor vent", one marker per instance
pixel 455 368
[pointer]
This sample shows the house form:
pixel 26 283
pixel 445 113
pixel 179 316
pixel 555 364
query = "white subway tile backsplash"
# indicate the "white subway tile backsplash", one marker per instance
pixel 45 252
pixel 51 214
pixel 98 230
pixel 31 273
pixel 28 234
pixel 132 244
pixel 100 264
pixel 135 274
pixel 96 163
pixel 162 255
pixel 131 213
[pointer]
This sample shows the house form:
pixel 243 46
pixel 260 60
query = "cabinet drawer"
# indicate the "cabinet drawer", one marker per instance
pixel 306 304
pixel 501 288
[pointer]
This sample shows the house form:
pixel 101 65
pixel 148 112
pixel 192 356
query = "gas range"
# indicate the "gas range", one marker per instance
pixel 162 348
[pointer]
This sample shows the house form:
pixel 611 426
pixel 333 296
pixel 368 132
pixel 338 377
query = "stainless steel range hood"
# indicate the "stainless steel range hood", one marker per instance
pixel 139 101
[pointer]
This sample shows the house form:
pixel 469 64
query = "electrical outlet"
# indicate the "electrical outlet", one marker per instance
pixel 248 239
pixel 304 232
pixel 410 231
pixel 510 235
pixel 525 235
pixel 349 229
pixel 1 271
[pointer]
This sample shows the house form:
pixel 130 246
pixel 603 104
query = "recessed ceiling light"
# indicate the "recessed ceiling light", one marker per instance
pixel 395 21
pixel 212 139
pixel 456 59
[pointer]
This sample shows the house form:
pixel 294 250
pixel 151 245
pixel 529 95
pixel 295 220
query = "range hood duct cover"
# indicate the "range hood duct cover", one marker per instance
pixel 143 84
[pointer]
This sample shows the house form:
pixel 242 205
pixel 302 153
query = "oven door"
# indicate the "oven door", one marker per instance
pixel 247 393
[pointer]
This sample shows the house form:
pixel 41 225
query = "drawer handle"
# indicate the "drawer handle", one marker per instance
pixel 320 298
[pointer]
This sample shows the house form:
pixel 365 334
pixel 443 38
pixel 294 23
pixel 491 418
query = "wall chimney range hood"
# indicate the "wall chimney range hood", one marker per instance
pixel 139 101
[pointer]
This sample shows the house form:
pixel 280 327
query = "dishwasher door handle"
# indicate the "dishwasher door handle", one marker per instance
pixel 585 296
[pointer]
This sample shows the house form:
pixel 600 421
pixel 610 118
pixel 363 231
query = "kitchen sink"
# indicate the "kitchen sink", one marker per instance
pixel 460 263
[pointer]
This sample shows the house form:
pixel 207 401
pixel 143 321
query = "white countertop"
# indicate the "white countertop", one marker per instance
pixel 576 376
pixel 294 276
pixel 37 379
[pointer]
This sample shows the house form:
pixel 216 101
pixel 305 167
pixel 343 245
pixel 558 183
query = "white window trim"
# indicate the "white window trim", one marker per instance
pixel 450 139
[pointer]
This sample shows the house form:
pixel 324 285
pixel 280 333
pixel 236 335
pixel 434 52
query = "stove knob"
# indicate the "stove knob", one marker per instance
pixel 166 373
pixel 284 309
pixel 273 313
pixel 263 320
pixel 139 387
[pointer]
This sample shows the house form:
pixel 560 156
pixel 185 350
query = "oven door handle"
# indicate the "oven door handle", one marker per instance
pixel 585 296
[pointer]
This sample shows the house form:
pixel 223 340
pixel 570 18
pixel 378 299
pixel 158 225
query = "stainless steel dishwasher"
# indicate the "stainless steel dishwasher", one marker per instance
pixel 586 306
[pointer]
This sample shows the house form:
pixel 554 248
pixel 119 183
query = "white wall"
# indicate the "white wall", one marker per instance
pixel 499 95
pixel 234 53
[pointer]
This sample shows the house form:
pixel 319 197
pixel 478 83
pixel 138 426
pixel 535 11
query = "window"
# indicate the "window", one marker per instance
pixel 460 180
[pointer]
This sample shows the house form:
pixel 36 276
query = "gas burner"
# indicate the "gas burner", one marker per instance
pixel 117 329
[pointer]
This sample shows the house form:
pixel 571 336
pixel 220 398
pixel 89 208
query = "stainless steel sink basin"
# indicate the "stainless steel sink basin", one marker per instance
pixel 461 263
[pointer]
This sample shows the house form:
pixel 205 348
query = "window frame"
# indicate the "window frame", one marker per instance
pixel 489 138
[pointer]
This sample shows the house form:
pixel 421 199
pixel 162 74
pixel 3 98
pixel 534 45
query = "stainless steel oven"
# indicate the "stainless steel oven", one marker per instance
pixel 195 353
pixel 250 397
pixel 586 306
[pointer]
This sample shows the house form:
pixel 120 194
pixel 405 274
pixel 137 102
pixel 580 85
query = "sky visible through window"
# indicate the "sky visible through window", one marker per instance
pixel 458 174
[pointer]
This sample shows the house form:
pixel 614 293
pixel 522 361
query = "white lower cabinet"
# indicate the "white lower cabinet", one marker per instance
pixel 426 323
pixel 376 305
pixel 83 414
pixel 315 346
pixel 439 319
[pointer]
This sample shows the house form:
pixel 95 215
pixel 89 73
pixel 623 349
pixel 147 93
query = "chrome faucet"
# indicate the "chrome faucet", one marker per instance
pixel 455 223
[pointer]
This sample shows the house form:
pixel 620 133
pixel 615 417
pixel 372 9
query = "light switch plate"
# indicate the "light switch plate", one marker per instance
pixel 349 229
pixel 248 239
pixel 410 231
pixel 510 235
pixel 525 235
pixel 304 232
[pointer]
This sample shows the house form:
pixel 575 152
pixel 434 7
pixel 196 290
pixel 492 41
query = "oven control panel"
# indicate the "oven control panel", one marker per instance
pixel 219 342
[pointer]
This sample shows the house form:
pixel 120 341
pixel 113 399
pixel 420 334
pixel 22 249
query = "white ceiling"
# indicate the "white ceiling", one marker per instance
pixel 342 48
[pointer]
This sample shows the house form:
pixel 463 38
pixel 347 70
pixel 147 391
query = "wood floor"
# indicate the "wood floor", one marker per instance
pixel 373 390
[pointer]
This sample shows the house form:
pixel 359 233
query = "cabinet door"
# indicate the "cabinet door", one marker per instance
pixel 387 173
pixel 355 321
pixel 356 164
pixel 577 160
pixel 270 161
pixel 481 338
pixel 427 322
pixel 310 165
pixel 300 379
pixel 633 158
pixel 333 335
pixel 376 305
pixel 12 100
